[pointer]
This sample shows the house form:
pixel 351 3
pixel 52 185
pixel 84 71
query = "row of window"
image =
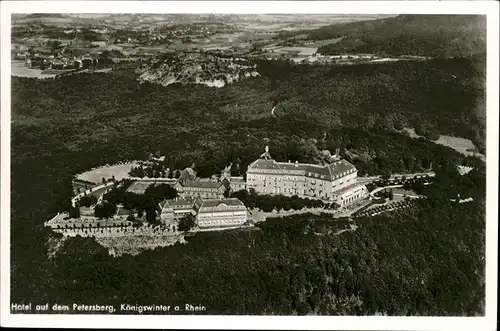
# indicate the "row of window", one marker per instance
pixel 222 222
pixel 289 178
pixel 351 199
pixel 199 189
pixel 201 194
pixel 225 214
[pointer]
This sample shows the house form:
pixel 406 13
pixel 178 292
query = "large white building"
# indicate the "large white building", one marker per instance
pixel 336 182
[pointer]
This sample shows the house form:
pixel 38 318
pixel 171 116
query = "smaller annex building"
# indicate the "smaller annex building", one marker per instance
pixel 173 209
pixel 209 213
pixel 200 189
pixel 220 213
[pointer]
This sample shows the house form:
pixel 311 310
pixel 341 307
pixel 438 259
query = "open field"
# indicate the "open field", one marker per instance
pixel 20 70
pixel 461 145
pixel 319 43
pixel 402 191
pixel 120 171
pixel 305 51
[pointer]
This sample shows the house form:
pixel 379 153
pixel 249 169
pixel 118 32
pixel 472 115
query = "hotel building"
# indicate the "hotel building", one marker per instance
pixel 336 182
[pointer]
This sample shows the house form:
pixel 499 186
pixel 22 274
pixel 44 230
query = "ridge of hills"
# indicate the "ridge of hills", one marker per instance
pixel 422 35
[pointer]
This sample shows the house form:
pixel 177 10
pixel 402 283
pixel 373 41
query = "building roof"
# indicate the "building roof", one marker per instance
pixel 217 202
pixel 201 184
pixel 313 169
pixel 350 188
pixel 338 168
pixel 264 164
pixel 178 203
pixel 214 204
pixel 237 180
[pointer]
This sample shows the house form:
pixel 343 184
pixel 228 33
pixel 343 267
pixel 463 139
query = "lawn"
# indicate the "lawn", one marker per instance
pixel 120 171
pixel 139 187
pixel 461 145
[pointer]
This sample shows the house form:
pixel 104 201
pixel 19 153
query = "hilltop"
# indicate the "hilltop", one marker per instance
pixel 423 35
pixel 197 68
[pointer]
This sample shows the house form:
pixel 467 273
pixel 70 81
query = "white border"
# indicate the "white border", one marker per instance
pixel 489 8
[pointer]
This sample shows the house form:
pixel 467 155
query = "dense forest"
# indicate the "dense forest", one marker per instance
pixel 427 261
pixel 435 254
pixel 424 35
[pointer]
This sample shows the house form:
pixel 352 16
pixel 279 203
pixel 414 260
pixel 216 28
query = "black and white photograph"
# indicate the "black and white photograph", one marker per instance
pixel 297 164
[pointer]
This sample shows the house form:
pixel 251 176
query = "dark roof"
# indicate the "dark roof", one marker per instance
pixel 342 166
pixel 306 168
pixel 177 203
pixel 201 184
pixel 237 180
pixel 309 170
pixel 217 202
pixel 214 203
pixel 264 164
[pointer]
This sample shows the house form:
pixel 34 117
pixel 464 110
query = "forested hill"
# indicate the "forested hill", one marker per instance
pixel 428 262
pixel 422 35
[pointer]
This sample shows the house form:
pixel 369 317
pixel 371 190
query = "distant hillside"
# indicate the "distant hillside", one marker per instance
pixel 197 68
pixel 423 35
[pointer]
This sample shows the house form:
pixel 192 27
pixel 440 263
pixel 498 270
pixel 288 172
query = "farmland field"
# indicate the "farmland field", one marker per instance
pixel 302 50
pixel 120 172
pixel 319 43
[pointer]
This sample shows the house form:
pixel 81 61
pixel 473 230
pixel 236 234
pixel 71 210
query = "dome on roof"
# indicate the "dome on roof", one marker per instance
pixel 266 155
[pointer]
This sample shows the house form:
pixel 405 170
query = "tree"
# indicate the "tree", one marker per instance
pixel 151 216
pixel 86 63
pixel 54 45
pixel 186 223
pixel 87 201
pixel 105 210
pixel 227 192
pixel 385 176
pixel 74 212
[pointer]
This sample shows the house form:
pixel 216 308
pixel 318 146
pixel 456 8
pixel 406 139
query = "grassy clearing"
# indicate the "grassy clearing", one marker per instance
pixel 461 145
pixel 120 172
